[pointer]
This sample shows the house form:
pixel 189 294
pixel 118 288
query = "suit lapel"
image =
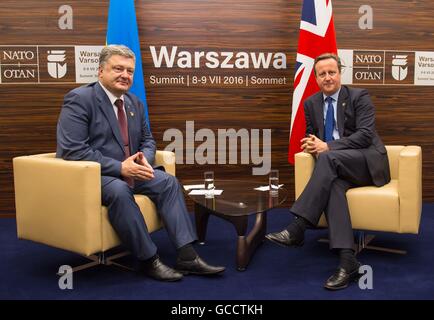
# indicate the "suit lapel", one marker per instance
pixel 319 114
pixel 107 109
pixel 343 102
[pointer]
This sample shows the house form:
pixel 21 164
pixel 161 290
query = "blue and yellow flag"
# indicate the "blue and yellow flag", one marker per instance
pixel 122 29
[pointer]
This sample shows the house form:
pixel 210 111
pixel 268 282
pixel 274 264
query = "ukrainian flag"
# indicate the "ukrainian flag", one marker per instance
pixel 122 29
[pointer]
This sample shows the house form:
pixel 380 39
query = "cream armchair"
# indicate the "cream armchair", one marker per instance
pixel 395 207
pixel 58 203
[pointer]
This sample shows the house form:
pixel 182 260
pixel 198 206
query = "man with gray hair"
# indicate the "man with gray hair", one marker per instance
pixel 103 122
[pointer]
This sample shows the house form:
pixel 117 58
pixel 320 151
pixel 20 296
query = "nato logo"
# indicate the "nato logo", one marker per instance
pixel 399 67
pixel 55 58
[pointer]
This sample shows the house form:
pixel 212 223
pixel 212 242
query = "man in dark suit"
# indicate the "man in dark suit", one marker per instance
pixel 102 122
pixel 340 133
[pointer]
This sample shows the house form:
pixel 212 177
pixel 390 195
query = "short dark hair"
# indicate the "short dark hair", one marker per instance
pixel 325 56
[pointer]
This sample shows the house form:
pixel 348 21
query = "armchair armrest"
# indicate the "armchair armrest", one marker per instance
pixel 410 188
pixel 304 164
pixel 58 202
pixel 167 160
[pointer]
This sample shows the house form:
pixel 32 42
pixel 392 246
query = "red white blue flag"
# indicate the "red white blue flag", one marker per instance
pixel 317 36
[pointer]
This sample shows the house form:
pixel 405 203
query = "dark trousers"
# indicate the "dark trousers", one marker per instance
pixel 335 172
pixel 127 220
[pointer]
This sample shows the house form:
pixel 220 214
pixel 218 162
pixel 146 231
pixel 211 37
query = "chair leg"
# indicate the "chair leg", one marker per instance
pixel 363 241
pixel 101 259
pixel 110 260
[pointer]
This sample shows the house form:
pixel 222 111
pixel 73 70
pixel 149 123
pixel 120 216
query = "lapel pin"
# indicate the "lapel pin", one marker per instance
pixel 344 104
pixel 132 114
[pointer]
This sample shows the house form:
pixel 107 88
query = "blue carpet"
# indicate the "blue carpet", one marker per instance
pixel 28 270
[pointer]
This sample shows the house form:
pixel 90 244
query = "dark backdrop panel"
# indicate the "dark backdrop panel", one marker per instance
pixel 29 112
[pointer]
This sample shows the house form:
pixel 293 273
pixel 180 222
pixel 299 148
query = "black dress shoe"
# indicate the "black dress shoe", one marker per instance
pixel 285 239
pixel 159 271
pixel 197 266
pixel 341 278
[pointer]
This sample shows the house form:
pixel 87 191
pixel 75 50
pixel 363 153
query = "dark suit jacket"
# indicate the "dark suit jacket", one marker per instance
pixel 356 126
pixel 88 130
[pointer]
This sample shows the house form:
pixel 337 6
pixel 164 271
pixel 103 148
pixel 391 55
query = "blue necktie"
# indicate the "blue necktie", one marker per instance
pixel 329 121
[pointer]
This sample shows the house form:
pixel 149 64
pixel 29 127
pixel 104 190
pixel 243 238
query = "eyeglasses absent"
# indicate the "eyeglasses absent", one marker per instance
pixel 322 75
pixel 120 69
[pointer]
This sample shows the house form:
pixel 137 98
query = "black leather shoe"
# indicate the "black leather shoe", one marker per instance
pixel 341 278
pixel 159 271
pixel 284 238
pixel 197 266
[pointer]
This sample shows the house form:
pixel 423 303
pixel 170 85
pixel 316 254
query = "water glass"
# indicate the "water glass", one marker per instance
pixel 273 182
pixel 209 184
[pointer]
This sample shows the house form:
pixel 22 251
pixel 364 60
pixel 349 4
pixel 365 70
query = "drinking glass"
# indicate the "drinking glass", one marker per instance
pixel 273 182
pixel 209 184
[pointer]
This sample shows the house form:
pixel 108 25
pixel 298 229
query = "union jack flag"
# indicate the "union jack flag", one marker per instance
pixel 317 36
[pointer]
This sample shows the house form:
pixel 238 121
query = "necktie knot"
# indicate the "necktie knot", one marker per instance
pixel 119 103
pixel 329 100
